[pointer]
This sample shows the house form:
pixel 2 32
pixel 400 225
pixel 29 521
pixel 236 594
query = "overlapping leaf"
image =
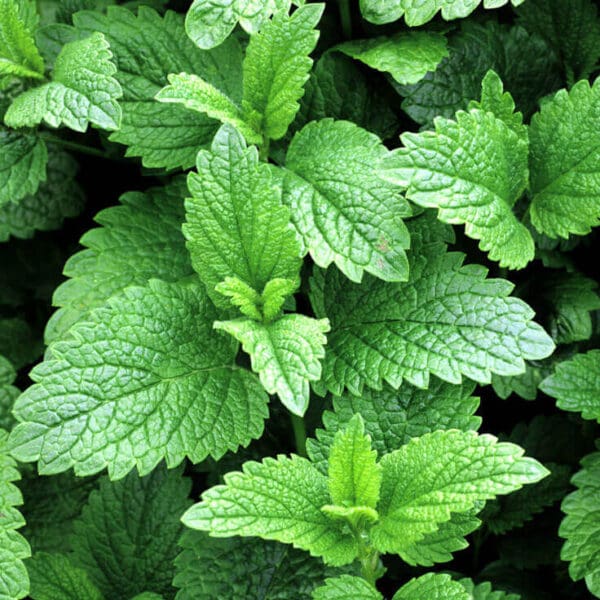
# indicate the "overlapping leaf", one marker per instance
pixel 346 587
pixel 433 586
pixel 8 393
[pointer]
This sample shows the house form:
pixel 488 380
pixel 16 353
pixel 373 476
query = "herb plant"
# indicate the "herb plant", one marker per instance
pixel 341 231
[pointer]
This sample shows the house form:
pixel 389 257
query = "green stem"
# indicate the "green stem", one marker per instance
pixel 369 566
pixel 345 18
pixel 53 139
pixel 299 434
pixel 263 150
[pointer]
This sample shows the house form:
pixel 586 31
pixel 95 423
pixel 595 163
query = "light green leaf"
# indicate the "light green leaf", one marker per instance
pixel 406 56
pixel 14 582
pixel 240 294
pixel 126 538
pixel 82 91
pixel 345 212
pixel 441 473
pixel 276 67
pixel 575 384
pixel 564 162
pixel 483 591
pixel 139 240
pixel 276 500
pixel 472 170
pixel 54 577
pixel 274 296
pixel 286 354
pixel 19 56
pixel 433 586
pixel 346 587
pixel 133 385
pixel 354 477
pixel 394 331
pixel 236 224
pixel 23 158
pixel 164 135
pixel 8 393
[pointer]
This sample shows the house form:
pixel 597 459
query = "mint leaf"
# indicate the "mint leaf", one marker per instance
pixel 57 198
pixel 406 56
pixel 53 577
pixel 126 538
pixel 19 56
pixel 477 187
pixel 14 582
pixel 139 240
pixel 286 354
pixel 82 91
pixel 346 587
pixel 164 135
pixel 394 331
pixel 524 385
pixel 150 378
pixel 276 68
pixel 483 591
pixel 575 384
pixel 8 393
pixel 236 224
pixel 345 212
pixel 257 493
pixel 23 158
pixel 564 162
pixel 252 569
pixel 443 472
pixel 433 586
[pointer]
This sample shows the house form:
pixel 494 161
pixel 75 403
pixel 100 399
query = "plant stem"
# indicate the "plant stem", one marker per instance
pixel 53 139
pixel 299 434
pixel 370 566
pixel 345 18
pixel 263 150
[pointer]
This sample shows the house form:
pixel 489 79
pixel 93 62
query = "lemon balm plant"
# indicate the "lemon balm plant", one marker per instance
pixel 262 375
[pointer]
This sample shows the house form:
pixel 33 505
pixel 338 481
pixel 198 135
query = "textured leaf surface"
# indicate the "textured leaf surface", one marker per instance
pixel 57 198
pixel 576 384
pixel 565 162
pixel 236 224
pixel 393 331
pixel 54 577
pixel 277 500
pixel 433 586
pixel 440 473
pixel 135 384
pixel 82 91
pixel 126 538
pixel 139 240
pixel 406 56
pixel 164 135
pixel 346 587
pixel 343 210
pixel 8 393
pixel 472 170
pixel 484 591
pixel 286 354
pixel 14 581
pixel 253 569
pixel 276 68
pixel 23 158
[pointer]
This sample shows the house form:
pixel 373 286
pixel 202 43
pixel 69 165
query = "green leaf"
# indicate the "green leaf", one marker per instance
pixel 571 28
pixel 354 477
pixel 564 162
pixel 345 212
pixel 236 224
pixel 417 12
pixel 240 294
pixel 23 158
pixel 126 538
pixel 248 568
pixel 8 393
pixel 274 296
pixel 19 56
pixel 139 240
pixel 209 22
pixel 483 591
pixel 524 385
pixel 433 586
pixel 440 473
pixel 392 417
pixel 286 354
pixel 14 582
pixel 164 135
pixel 82 91
pixel 57 198
pixel 477 187
pixel 346 587
pixel 133 385
pixel 407 56
pixel 575 384
pixel 276 67
pixel 276 500
pixel 394 331
pixel 53 577
pixel 581 525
